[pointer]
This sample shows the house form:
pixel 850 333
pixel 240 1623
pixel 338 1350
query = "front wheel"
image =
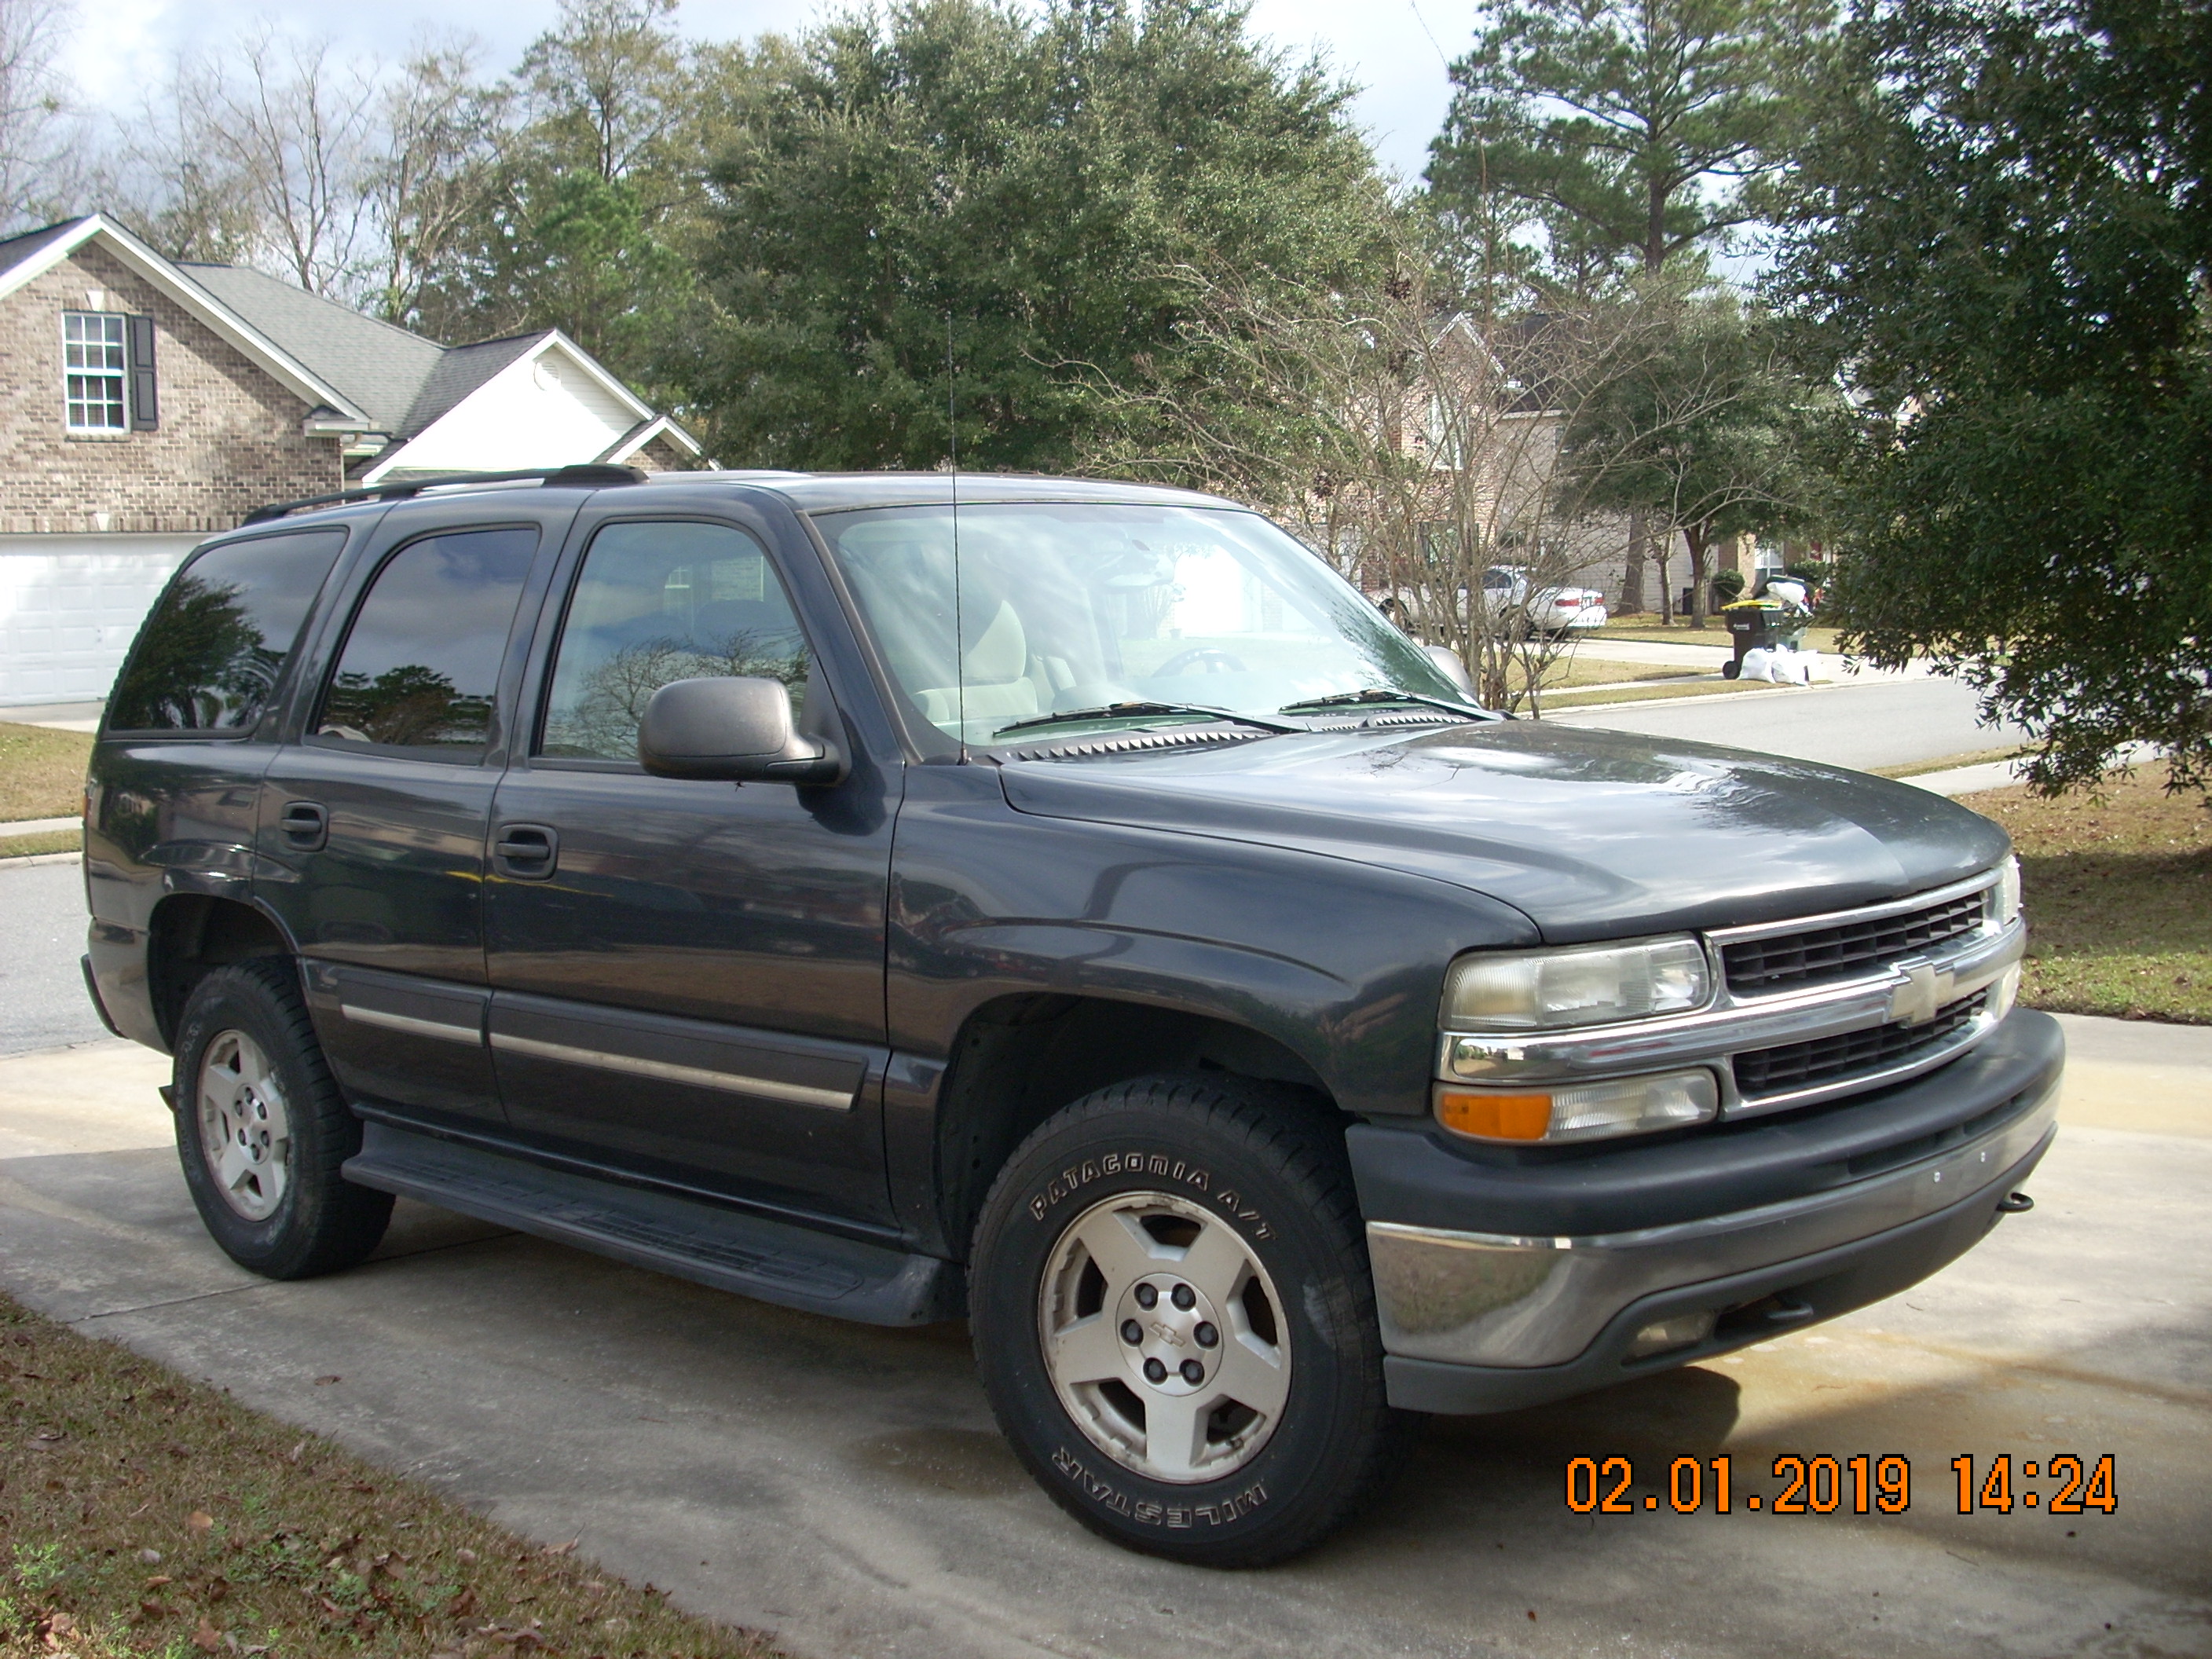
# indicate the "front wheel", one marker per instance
pixel 1174 1318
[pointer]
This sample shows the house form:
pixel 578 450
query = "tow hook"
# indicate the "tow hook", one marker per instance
pixel 2018 1204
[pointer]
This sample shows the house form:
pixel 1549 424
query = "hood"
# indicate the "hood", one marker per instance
pixel 1591 834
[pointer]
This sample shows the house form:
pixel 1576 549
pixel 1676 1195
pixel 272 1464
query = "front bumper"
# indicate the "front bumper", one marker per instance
pixel 1768 1225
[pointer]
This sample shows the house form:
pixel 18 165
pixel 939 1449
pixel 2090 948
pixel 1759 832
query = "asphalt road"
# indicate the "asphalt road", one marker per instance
pixel 844 1486
pixel 42 1000
pixel 1872 722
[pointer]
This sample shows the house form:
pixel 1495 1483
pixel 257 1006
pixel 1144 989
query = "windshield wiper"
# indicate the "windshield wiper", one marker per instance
pixel 1115 710
pixel 1384 693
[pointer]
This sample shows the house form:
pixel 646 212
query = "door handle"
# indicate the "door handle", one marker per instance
pixel 304 824
pixel 526 852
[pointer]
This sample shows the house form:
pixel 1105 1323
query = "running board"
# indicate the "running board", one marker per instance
pixel 770 1261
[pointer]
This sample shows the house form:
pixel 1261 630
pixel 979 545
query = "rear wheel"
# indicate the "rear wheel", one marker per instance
pixel 1174 1318
pixel 261 1129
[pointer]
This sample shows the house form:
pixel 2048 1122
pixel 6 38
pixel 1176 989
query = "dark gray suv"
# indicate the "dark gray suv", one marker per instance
pixel 1068 905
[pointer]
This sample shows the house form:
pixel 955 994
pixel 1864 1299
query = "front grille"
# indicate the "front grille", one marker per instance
pixel 1826 1059
pixel 1846 948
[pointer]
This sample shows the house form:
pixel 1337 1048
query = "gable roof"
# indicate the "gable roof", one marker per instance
pixel 461 370
pixel 380 365
pixel 33 255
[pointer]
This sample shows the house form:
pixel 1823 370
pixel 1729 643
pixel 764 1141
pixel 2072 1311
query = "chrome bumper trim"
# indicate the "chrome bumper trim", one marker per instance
pixel 1476 1298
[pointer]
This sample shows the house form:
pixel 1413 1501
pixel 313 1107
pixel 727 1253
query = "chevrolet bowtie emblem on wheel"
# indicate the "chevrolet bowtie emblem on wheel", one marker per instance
pixel 1925 990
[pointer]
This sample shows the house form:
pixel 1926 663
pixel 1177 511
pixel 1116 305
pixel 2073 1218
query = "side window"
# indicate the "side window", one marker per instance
pixel 662 602
pixel 208 658
pixel 420 669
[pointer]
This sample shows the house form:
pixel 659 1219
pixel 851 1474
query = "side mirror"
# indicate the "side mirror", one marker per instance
pixel 1454 669
pixel 736 730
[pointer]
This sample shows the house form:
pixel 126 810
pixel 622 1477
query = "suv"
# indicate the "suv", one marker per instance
pixel 1065 905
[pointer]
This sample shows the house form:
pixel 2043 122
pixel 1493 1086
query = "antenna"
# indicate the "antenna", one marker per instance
pixel 952 455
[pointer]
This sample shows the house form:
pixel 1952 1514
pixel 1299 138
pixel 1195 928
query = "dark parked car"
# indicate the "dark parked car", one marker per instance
pixel 1067 905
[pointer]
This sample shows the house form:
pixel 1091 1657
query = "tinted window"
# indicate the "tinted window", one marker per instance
pixel 662 602
pixel 420 666
pixel 208 656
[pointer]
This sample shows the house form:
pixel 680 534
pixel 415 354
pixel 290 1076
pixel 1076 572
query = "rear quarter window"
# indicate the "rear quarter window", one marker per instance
pixel 210 655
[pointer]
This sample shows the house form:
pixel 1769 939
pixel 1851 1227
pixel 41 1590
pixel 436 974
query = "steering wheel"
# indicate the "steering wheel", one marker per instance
pixel 1201 656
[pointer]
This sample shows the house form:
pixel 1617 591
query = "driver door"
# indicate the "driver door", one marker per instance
pixel 688 976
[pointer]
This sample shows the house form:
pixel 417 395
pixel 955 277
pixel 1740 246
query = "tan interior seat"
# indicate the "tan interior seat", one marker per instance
pixel 997 674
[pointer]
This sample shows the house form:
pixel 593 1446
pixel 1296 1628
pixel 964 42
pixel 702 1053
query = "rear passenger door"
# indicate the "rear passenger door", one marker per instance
pixel 689 974
pixel 371 818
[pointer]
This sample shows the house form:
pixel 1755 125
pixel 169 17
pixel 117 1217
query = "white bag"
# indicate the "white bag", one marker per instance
pixel 1778 667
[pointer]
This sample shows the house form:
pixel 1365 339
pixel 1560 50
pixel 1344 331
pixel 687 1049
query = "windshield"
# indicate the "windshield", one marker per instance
pixel 1067 607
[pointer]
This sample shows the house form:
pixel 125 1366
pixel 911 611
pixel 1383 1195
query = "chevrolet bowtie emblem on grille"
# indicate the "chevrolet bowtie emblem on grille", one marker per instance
pixel 1926 989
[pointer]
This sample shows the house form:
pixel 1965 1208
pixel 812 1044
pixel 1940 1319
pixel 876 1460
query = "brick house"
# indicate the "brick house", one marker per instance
pixel 146 403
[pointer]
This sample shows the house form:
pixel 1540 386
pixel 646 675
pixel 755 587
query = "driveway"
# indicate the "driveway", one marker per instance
pixel 844 1486
pixel 43 1003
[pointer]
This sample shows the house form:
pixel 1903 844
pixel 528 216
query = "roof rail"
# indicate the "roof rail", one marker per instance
pixel 589 475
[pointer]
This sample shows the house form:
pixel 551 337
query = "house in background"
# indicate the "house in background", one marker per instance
pixel 146 403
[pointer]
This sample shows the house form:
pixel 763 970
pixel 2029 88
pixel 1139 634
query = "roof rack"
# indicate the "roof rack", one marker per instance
pixel 589 475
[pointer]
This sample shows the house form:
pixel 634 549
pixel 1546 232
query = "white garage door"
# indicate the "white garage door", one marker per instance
pixel 71 606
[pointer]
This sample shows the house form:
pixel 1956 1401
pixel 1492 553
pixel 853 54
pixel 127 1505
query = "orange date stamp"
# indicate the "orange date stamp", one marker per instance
pixel 2064 1483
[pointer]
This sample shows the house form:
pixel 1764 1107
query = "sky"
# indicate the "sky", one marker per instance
pixel 1394 49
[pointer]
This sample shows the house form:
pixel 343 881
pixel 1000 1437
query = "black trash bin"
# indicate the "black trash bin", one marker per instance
pixel 1752 625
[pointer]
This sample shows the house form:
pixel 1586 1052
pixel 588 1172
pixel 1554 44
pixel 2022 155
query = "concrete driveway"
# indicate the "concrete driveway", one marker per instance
pixel 843 1486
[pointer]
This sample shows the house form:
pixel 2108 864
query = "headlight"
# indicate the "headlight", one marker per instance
pixel 1582 985
pixel 1581 1111
pixel 2004 897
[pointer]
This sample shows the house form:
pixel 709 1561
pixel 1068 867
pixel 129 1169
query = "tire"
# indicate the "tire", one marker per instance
pixel 250 1079
pixel 1278 1431
pixel 1730 670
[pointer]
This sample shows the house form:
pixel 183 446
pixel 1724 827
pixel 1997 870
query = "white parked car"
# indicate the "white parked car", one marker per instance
pixel 1551 610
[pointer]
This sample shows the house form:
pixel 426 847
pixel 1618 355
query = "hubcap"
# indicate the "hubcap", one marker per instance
pixel 246 1131
pixel 1164 1337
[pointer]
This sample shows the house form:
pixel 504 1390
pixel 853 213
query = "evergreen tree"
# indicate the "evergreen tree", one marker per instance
pixel 1015 194
pixel 2002 245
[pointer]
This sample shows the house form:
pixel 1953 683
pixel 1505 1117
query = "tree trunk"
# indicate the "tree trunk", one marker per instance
pixel 1631 579
pixel 1695 536
pixel 1662 545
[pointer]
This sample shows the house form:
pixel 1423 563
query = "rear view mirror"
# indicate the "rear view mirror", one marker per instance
pixel 739 730
pixel 1454 669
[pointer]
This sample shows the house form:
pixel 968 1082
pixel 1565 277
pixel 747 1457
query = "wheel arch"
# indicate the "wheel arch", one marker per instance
pixel 1018 1059
pixel 191 934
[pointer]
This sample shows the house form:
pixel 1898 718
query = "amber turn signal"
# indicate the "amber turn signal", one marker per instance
pixel 1496 1117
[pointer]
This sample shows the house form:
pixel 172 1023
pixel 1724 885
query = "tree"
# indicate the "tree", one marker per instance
pixel 583 214
pixel 36 157
pixel 1638 130
pixel 428 188
pixel 1407 429
pixel 1632 135
pixel 1697 424
pixel 2002 244
pixel 954 185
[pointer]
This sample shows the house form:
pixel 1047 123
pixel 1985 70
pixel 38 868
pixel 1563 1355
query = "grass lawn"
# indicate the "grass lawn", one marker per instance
pixel 1696 688
pixel 52 841
pixel 2119 892
pixel 142 1514
pixel 1564 671
pixel 41 772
